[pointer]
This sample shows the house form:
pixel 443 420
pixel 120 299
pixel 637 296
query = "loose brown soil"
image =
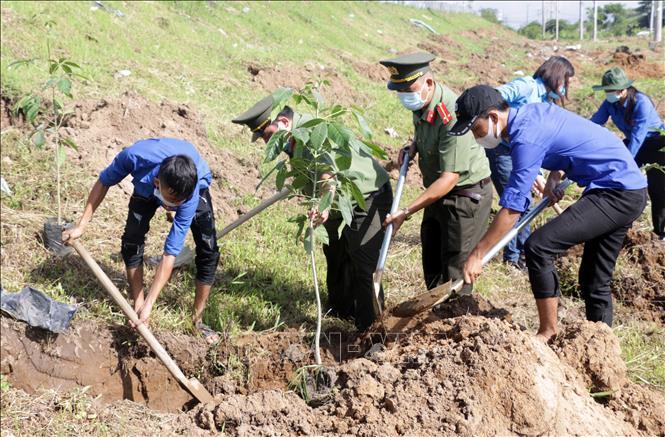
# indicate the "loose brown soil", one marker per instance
pixel 465 370
pixel 269 78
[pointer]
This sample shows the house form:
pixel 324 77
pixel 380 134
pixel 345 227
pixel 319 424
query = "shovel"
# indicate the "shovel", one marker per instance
pixel 191 384
pixel 441 293
pixel 186 255
pixel 383 254
pixel 254 211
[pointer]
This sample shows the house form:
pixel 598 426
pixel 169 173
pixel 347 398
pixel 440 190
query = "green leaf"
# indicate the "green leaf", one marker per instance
pixel 53 66
pixel 70 143
pixel 309 240
pixel 320 101
pixel 65 86
pixel 275 145
pixel 281 175
pixel 336 111
pixel 362 123
pixel 38 138
pixel 300 220
pixel 357 195
pixel 318 136
pixel 326 201
pixel 280 95
pixel 301 135
pixel 376 150
pixel 313 122
pixel 345 207
pixel 321 235
pixel 339 134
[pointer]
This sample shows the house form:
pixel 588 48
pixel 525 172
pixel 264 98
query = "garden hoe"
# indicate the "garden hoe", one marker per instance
pixel 191 384
pixel 378 273
pixel 443 292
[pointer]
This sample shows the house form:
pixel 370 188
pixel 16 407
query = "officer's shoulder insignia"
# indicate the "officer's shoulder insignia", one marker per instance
pixel 444 113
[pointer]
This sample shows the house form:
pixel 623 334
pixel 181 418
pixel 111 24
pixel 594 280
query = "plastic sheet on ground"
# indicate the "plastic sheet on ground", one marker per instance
pixel 38 310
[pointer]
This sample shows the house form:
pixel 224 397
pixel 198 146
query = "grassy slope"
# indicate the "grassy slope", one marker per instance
pixel 197 54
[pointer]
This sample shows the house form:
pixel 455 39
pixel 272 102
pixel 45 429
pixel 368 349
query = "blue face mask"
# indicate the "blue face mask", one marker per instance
pixel 554 96
pixel 411 101
pixel 611 97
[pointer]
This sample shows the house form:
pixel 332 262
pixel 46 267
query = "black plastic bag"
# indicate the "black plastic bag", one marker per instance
pixel 37 309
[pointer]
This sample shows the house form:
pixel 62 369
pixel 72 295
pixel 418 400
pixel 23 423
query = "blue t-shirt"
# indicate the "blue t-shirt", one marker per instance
pixel 645 118
pixel 548 136
pixel 142 160
pixel 523 90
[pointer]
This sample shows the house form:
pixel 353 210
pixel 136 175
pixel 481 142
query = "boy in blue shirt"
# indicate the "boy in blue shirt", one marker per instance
pixel 169 173
pixel 545 135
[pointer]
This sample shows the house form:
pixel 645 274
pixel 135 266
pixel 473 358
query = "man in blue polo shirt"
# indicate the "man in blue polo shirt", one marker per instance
pixel 169 173
pixel 545 135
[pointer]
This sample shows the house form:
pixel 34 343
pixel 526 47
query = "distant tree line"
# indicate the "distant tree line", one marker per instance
pixel 614 19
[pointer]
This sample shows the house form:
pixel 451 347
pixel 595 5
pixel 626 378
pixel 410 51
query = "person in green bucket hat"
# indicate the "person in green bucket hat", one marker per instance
pixel 634 114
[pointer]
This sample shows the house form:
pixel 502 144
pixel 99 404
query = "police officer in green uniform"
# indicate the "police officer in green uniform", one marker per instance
pixel 352 256
pixel 458 195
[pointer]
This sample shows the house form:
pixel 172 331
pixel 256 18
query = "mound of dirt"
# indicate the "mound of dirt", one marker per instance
pixel 594 351
pixel 102 128
pixel 109 360
pixel 636 64
pixel 464 374
pixel 467 376
pixel 295 76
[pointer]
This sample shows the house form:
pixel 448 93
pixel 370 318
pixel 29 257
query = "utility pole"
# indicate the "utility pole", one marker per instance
pixel 595 20
pixel 652 18
pixel 581 22
pixel 556 31
pixel 543 17
pixel 659 21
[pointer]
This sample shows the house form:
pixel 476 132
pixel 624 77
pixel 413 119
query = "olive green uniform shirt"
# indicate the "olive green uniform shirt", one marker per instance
pixel 439 152
pixel 364 171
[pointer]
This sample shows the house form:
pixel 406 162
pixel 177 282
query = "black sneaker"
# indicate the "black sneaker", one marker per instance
pixel 519 265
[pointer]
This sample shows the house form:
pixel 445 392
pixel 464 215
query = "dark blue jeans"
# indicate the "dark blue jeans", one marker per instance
pixel 501 165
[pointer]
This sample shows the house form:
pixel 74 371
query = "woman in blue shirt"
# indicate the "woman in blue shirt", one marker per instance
pixel 547 136
pixel 634 114
pixel 550 82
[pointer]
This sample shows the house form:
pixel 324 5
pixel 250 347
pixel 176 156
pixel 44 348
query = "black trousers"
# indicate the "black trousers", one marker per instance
pixel 600 219
pixel 650 153
pixel 451 228
pixel 141 211
pixel 352 258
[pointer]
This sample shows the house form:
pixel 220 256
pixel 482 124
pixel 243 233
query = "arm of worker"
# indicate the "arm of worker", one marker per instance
pixel 97 194
pixel 173 244
pixel 602 114
pixel 162 275
pixel 527 159
pixel 120 167
pixel 640 127
pixel 501 225
pixel 515 91
pixel 442 186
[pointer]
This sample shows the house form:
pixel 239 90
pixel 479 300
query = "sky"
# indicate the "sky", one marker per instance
pixel 518 13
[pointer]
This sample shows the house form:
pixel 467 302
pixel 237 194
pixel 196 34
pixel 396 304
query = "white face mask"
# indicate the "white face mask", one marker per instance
pixel 158 194
pixel 491 140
